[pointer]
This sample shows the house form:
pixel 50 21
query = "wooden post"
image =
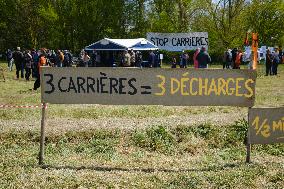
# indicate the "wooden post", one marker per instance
pixel 255 48
pixel 248 145
pixel 248 153
pixel 42 134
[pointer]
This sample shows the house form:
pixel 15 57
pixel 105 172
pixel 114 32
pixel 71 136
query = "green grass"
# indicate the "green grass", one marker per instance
pixel 90 146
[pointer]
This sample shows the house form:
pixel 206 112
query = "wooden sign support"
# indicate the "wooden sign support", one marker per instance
pixel 248 145
pixel 42 134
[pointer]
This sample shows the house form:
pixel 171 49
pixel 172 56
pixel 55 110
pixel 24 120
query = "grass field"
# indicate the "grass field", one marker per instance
pixel 95 146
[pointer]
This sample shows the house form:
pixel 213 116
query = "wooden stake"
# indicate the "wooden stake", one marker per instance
pixel 42 135
pixel 248 153
pixel 248 141
pixel 255 48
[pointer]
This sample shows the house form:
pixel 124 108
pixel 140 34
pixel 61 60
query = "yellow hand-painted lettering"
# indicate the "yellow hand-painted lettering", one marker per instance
pixel 183 82
pixel 161 85
pixel 256 122
pixel 175 85
pixel 263 129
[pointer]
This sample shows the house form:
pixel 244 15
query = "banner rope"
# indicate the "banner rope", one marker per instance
pixel 22 106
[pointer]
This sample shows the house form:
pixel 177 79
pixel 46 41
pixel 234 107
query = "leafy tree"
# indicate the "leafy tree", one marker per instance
pixel 172 15
pixel 266 17
pixel 224 23
pixel 73 24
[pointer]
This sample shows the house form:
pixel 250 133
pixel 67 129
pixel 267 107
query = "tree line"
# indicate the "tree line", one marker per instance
pixel 73 24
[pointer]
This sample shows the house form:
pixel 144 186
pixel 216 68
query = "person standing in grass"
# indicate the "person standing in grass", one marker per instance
pixel 151 59
pixel 157 59
pixel 86 59
pixel 42 62
pixel 195 62
pixel 59 58
pixel 93 59
pixel 174 62
pixel 276 61
pixel 9 59
pixel 234 56
pixel 184 59
pixel 126 59
pixel 268 62
pixel 28 64
pixel 238 60
pixel 35 56
pixel 19 62
pixel 227 59
pixel 139 59
pixel 203 58
pixel 281 56
pixel 132 58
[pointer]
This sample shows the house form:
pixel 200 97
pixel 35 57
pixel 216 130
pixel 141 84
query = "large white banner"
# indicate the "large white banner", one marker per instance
pixel 179 41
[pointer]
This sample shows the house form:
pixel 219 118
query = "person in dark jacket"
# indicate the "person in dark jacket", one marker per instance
pixel 157 62
pixel 9 59
pixel 151 59
pixel 174 62
pixel 42 62
pixel 227 59
pixel 93 59
pixel 19 62
pixel 280 55
pixel 268 62
pixel 59 58
pixel 52 58
pixel 67 62
pixel 184 60
pixel 139 59
pixel 276 61
pixel 28 64
pixel 203 58
pixel 234 56
pixel 35 63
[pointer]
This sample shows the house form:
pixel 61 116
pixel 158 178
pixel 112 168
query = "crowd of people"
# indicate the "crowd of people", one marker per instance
pixel 232 59
pixel 273 59
pixel 28 62
pixel 126 58
pixel 133 58
pixel 201 59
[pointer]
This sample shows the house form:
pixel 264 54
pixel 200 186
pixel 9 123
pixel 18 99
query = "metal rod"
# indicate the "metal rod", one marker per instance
pixel 42 134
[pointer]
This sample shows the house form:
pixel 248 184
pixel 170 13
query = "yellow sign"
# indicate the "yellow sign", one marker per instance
pixel 266 125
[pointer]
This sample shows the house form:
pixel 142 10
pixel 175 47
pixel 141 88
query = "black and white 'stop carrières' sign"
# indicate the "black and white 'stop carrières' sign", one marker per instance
pixel 179 41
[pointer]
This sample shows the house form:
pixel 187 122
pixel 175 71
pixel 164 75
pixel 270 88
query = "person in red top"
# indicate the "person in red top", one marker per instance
pixel 238 60
pixel 42 62
pixel 194 58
